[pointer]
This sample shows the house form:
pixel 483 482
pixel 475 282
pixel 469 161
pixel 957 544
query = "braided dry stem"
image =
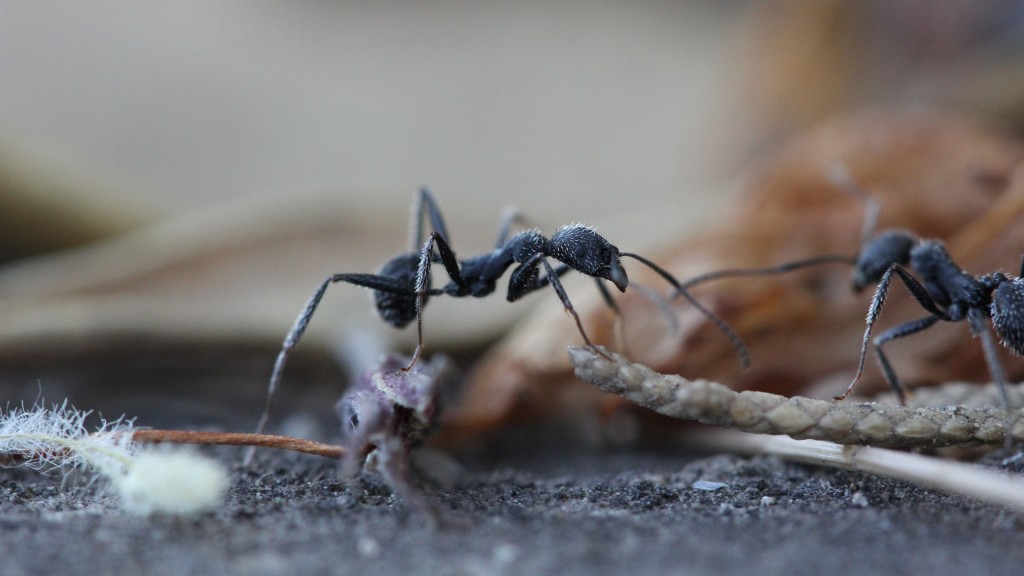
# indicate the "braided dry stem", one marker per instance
pixel 848 423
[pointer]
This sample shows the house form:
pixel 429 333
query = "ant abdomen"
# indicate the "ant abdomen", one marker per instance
pixel 398 308
pixel 1007 311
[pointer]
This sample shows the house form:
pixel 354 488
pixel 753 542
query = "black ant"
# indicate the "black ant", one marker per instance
pixel 403 287
pixel 945 290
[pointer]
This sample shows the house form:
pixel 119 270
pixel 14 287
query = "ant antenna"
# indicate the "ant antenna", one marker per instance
pixel 770 271
pixel 839 175
pixel 734 339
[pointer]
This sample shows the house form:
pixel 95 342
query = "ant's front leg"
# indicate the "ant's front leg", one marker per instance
pixel 423 289
pixel 918 292
pixel 525 279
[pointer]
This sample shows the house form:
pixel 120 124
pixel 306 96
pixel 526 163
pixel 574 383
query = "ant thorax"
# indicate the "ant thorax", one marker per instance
pixel 525 245
pixel 947 283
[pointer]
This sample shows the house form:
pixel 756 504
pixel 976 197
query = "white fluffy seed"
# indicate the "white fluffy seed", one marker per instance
pixel 180 482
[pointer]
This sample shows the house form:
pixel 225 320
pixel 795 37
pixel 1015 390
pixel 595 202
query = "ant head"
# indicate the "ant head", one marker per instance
pixel 878 254
pixel 1007 311
pixel 584 250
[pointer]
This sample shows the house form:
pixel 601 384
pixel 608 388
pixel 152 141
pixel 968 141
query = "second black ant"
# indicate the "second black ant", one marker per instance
pixel 944 289
pixel 402 287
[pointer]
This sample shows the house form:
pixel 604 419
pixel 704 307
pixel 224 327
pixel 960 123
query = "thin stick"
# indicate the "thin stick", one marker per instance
pixel 969 480
pixel 239 439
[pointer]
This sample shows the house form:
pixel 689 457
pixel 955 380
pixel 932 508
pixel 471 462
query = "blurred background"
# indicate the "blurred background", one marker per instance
pixel 177 175
pixel 575 108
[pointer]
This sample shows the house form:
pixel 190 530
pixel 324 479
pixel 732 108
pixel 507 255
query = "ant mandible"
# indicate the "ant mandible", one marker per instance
pixel 403 286
pixel 945 290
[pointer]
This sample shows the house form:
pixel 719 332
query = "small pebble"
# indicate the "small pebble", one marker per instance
pixel 859 500
pixel 710 486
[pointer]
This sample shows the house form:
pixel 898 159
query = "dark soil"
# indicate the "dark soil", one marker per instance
pixel 531 502
pixel 569 513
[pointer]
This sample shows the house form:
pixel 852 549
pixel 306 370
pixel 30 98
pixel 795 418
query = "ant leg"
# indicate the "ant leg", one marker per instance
pixel 916 290
pixel 552 277
pixel 722 325
pixel 525 278
pixel 451 266
pixel 618 328
pixel 663 304
pixel 509 217
pixel 424 203
pixel 976 320
pixel 840 177
pixel 653 296
pixel 381 283
pixel 892 334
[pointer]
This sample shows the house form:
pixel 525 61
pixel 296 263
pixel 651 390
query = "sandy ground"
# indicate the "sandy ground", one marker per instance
pixel 543 512
pixel 533 501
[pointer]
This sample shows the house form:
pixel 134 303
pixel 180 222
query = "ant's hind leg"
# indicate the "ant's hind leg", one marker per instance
pixel 425 204
pixel 892 334
pixel 509 217
pixel 381 283
pixel 618 328
pixel 976 320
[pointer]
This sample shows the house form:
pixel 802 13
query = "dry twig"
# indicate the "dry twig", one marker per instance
pixel 848 423
pixel 238 439
pixel 821 428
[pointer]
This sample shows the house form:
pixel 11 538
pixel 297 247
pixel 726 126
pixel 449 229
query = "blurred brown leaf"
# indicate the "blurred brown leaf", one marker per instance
pixel 49 205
